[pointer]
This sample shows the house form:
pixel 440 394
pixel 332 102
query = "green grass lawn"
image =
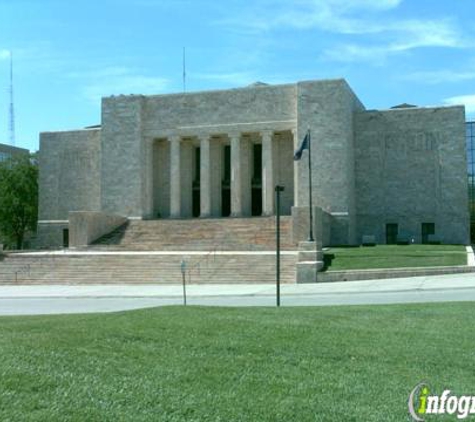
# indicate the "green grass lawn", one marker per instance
pixel 394 256
pixel 215 364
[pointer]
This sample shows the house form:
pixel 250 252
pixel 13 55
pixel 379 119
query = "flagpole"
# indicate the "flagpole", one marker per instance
pixel 310 235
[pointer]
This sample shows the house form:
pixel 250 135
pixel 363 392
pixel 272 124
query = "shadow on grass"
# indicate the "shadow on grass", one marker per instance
pixel 329 257
pixel 327 260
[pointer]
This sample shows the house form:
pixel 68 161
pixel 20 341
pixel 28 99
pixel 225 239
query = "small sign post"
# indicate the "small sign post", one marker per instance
pixel 183 275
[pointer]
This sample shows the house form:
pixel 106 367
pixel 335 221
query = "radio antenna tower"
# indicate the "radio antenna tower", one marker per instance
pixel 12 109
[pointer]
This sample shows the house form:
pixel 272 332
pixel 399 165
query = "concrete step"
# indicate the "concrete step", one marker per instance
pixel 226 234
pixel 144 269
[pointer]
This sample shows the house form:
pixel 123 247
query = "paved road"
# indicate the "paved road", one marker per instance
pixel 32 300
pixel 36 306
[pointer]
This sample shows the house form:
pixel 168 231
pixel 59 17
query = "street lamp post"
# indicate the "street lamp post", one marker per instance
pixel 278 190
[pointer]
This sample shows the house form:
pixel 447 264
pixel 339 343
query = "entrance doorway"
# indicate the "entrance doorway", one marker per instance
pixel 427 230
pixel 391 233
pixel 66 238
pixel 196 182
pixel 226 183
pixel 256 199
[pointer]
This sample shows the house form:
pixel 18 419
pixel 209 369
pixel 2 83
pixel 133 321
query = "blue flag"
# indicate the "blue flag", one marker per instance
pixel 304 145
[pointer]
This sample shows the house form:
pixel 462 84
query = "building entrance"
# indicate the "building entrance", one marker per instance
pixel 256 199
pixel 196 208
pixel 226 183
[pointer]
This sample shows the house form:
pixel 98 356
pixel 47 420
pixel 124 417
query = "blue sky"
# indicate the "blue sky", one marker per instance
pixel 68 54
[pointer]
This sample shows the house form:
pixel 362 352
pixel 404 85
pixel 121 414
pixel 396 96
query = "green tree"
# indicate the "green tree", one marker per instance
pixel 18 198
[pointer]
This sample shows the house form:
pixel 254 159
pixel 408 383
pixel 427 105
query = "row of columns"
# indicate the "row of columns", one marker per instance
pixel 211 160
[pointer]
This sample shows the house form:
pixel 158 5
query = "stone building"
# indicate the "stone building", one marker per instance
pixel 379 173
pixel 8 151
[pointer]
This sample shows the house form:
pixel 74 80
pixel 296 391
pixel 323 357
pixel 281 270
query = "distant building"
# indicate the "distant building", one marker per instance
pixel 384 174
pixel 6 151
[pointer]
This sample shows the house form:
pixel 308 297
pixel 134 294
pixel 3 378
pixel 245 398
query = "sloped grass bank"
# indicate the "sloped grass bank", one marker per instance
pixel 394 256
pixel 216 364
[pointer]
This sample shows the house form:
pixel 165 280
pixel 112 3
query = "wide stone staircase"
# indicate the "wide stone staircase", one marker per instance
pixel 220 251
pixel 129 268
pixel 214 234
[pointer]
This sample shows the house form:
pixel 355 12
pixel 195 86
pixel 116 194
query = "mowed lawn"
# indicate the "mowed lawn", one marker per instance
pixel 230 364
pixel 394 256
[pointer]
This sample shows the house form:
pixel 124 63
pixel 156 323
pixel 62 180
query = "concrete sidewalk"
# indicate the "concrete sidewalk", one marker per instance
pixel 415 284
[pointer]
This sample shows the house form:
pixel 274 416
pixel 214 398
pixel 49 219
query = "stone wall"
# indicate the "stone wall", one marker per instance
pixel 196 113
pixel 284 172
pixel 50 234
pixel 69 180
pixel 326 108
pixel 322 225
pixel 411 169
pixel 7 151
pixel 124 157
pixel 69 173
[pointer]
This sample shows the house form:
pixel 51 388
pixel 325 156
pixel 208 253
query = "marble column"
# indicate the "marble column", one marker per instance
pixel 268 176
pixel 175 179
pixel 240 176
pixel 236 178
pixel 210 170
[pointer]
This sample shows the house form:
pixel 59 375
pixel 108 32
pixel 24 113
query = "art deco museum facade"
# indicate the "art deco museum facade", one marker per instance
pixel 220 154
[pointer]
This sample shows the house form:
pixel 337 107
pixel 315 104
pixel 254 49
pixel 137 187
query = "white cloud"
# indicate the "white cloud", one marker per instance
pixel 348 53
pixel 4 54
pixel 119 80
pixel 420 33
pixel 395 35
pixel 328 15
pixel 401 37
pixel 361 4
pixel 467 100
pixel 336 16
pixel 440 76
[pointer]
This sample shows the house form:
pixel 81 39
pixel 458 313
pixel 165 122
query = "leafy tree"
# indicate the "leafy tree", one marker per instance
pixel 18 198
